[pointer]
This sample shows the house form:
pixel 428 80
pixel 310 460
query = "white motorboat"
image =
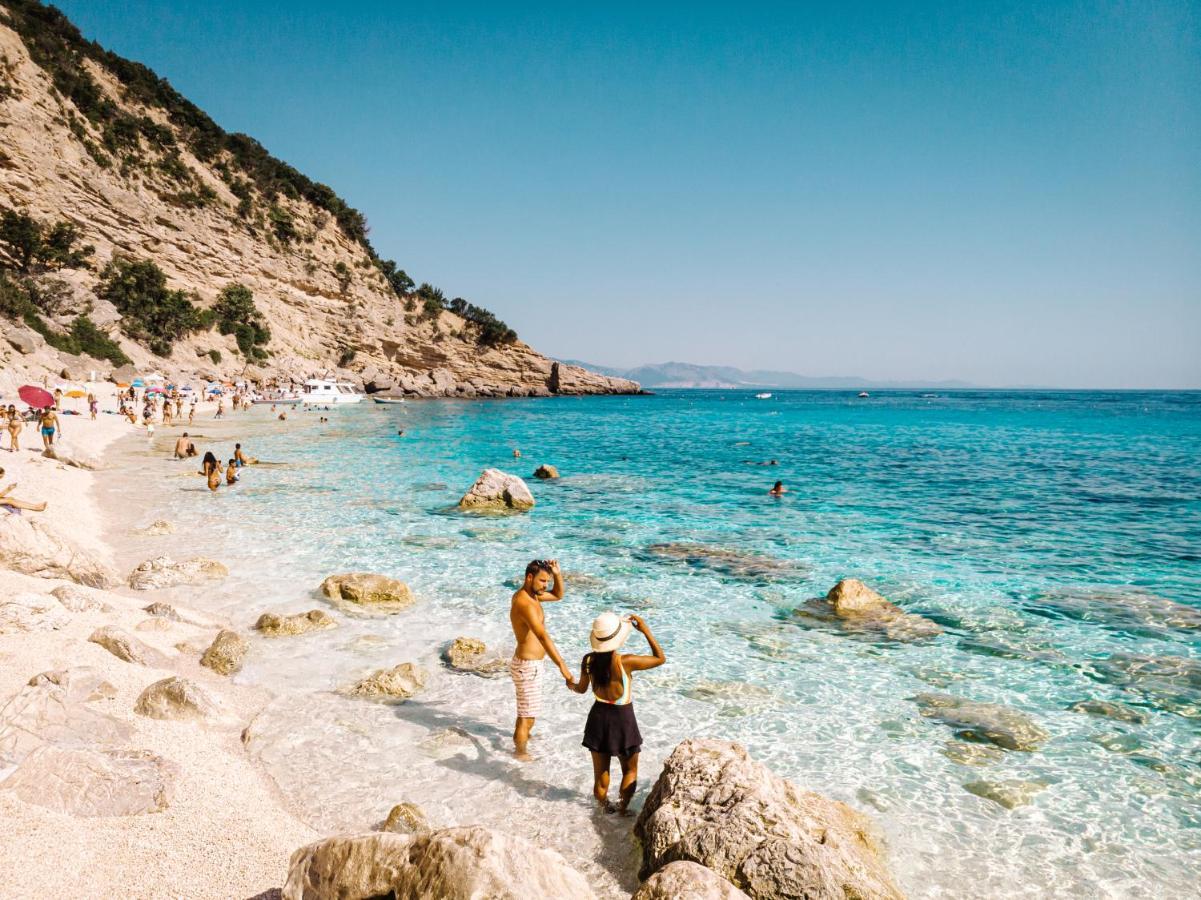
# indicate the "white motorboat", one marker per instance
pixel 389 400
pixel 863 395
pixel 764 396
pixel 327 392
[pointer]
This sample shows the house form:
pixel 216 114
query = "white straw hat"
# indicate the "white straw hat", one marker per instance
pixel 609 632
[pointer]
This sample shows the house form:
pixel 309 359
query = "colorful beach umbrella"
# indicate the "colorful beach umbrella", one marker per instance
pixel 76 393
pixel 138 382
pixel 154 390
pixel 36 397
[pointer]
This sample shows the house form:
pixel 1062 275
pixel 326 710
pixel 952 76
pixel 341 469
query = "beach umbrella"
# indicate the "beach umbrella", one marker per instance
pixel 215 390
pixel 36 397
pixel 77 393
pixel 123 384
pixel 154 390
pixel 138 382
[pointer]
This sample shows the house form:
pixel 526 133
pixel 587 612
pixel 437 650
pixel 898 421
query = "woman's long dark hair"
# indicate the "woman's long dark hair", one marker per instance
pixel 600 667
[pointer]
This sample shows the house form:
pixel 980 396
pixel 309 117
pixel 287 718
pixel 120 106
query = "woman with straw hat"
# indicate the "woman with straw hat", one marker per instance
pixel 612 729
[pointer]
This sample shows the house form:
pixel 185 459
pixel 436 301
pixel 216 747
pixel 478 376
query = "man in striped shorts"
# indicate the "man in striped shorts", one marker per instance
pixel 543 584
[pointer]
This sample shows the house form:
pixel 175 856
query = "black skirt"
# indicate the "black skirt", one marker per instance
pixel 612 730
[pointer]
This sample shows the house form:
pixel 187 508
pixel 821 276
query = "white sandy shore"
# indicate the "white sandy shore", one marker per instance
pixel 226 832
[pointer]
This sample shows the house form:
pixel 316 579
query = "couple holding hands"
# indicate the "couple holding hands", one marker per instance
pixel 611 729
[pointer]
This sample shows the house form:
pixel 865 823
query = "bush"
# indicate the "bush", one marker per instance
pixel 347 357
pixel 94 342
pixel 235 313
pixel 215 355
pixel 31 246
pixel 343 273
pixel 152 313
pixel 398 278
pixel 282 224
pixel 83 336
pixel 490 331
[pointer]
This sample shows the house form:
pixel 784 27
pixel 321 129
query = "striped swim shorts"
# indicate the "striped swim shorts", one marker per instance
pixel 527 679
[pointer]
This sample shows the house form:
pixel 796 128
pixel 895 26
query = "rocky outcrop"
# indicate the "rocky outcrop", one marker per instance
pixel 164 572
pixel 495 490
pixel 85 781
pixel 405 818
pixel 275 625
pixel 451 864
pixel 176 698
pixel 684 880
pixel 1010 793
pixel 465 654
pixel 398 683
pixel 1003 726
pixel 24 340
pixel 225 654
pixel 367 591
pixel 31 548
pixel 855 607
pixel 546 472
pixel 23 613
pixel 126 647
pixel 715 806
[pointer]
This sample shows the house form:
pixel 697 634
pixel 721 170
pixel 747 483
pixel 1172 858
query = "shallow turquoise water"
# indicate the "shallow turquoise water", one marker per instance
pixel 1048 533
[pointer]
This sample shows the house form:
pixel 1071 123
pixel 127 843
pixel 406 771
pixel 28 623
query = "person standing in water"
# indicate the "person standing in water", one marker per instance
pixel 611 729
pixel 543 584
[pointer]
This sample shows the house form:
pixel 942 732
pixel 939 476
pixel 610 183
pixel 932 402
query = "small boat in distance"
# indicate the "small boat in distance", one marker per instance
pixel 864 395
pixel 766 395
pixel 388 400
pixel 276 400
pixel 326 392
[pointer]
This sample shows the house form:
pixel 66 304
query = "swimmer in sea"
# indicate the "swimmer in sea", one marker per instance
pixel 778 489
pixel 231 472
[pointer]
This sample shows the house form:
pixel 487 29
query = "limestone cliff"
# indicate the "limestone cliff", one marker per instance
pixel 101 142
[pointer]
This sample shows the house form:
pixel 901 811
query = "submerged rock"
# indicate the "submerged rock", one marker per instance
pixel 85 781
pixel 163 572
pixel 968 754
pixel 1171 682
pixel 365 590
pixel 545 471
pixel 176 698
pixel 126 647
pixel 685 880
pixel 450 864
pixel 974 721
pixel 275 625
pixel 1121 608
pixel 855 607
pixel 1110 710
pixel 398 683
pixel 225 654
pixel 33 548
pixel 467 654
pixel 1010 793
pixel 76 599
pixel 158 527
pixel 740 564
pixel 714 805
pixel 497 490
pixel 732 698
pixel 405 818
pixel 23 613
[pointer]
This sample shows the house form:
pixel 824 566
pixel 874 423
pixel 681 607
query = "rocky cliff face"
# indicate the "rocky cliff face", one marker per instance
pixel 154 178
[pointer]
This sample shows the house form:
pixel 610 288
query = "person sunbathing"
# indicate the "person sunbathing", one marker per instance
pixel 13 503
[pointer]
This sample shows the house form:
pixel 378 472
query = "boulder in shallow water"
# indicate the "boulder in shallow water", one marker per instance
pixel 467 654
pixel 1130 609
pixel 856 608
pixel 33 548
pixel 158 527
pixel 969 754
pixel 1110 710
pixel 163 572
pixel 85 781
pixel 77 599
pixel 23 613
pixel 743 565
pixel 406 818
pixel 365 590
pixel 176 698
pixel 225 654
pixel 1171 682
pixel 126 647
pixel 1010 793
pixel 398 683
pixel 497 490
pixel 714 805
pixel 685 880
pixel 546 472
pixel 974 721
pixel 275 625
pixel 450 864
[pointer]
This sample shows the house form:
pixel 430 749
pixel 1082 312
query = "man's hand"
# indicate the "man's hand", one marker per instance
pixel 554 567
pixel 566 673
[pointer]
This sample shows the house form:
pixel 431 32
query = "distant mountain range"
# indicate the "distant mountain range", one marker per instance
pixel 690 375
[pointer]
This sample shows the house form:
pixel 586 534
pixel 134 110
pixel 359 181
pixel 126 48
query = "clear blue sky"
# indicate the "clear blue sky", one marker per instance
pixel 1001 192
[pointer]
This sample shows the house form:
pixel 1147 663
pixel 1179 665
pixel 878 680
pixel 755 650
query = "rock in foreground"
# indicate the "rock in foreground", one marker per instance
pixel 398 683
pixel 471 655
pixel 1008 728
pixel 405 818
pixel 225 654
pixel 162 572
pixel 366 590
pixel 451 864
pixel 855 607
pixel 714 805
pixel 275 625
pixel 126 647
pixel 684 880
pixel 23 613
pixel 84 781
pixel 497 490
pixel 176 698
pixel 32 548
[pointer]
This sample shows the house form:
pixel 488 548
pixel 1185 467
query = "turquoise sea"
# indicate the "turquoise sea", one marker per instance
pixel 1055 537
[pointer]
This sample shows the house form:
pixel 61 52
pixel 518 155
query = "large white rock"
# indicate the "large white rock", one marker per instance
pixel 77 599
pixel 54 708
pixel 23 613
pixel 451 864
pixel 714 805
pixel 33 548
pixel 684 880
pixel 85 781
pixel 497 490
pixel 162 572
pixel 126 647
pixel 368 591
pixel 177 698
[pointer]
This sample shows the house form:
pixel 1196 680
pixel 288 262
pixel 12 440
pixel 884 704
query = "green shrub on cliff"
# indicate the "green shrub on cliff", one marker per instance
pixel 28 245
pixel 235 313
pixel 152 313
